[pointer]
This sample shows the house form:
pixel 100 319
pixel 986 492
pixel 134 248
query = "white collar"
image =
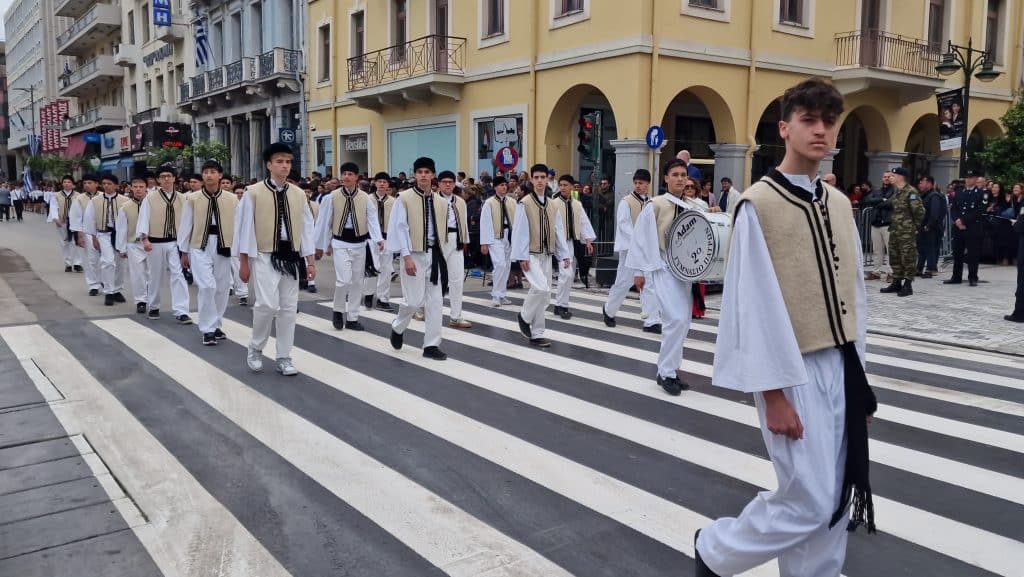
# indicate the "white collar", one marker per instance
pixel 804 182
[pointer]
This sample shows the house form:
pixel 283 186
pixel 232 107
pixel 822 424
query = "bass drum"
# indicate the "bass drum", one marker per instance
pixel 697 244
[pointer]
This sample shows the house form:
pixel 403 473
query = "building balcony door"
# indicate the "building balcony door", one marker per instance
pixel 871 23
pixel 441 32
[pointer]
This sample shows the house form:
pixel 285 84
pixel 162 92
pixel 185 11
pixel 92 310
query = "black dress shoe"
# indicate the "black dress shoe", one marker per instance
pixel 219 335
pixel 973 282
pixel 209 339
pixel 140 308
pixel 108 300
pixel 542 343
pixel 656 329
pixel 894 286
pixel 338 320
pixel 952 281
pixel 1014 319
pixel 702 570
pixel 672 385
pixel 67 269
pixel 557 310
pixel 312 289
pixel 243 301
pixel 434 353
pixel 565 314
pixel 94 292
pixel 608 321
pixel 383 306
pixel 907 289
pixel 368 301
pixel 154 314
pixel 119 298
pixel 396 340
pixel 78 268
pixel 524 327
pixel 354 326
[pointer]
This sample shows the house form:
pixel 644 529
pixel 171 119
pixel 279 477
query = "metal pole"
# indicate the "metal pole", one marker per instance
pixel 968 72
pixel 32 106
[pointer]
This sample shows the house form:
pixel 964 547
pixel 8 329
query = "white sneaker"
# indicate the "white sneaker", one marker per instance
pixel 286 368
pixel 255 360
pixel 496 304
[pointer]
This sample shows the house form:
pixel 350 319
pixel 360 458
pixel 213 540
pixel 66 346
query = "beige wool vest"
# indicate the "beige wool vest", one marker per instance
pixel 665 213
pixel 461 222
pixel 314 208
pixel 494 205
pixel 577 212
pixel 200 204
pixel 267 223
pixel 415 211
pixel 384 209
pixel 543 222
pixel 64 203
pixel 813 251
pixel 343 206
pixel 101 207
pixel 131 213
pixel 159 209
pixel 636 204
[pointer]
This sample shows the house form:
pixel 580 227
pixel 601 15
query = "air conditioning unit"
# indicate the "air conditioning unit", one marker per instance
pixel 126 55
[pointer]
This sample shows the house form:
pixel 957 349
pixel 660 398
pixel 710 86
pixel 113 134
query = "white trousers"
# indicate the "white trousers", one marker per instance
pixel 539 277
pixel 623 282
pixel 501 258
pixel 69 250
pixel 349 270
pixel 138 271
pixel 380 286
pixel 241 288
pixel 419 292
pixel 212 274
pixel 676 303
pixel 111 265
pixel 791 522
pixel 92 264
pixel 163 259
pixel 277 297
pixel 880 250
pixel 456 260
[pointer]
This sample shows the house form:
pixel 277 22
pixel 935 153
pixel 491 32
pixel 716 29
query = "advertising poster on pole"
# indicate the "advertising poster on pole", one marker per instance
pixel 951 122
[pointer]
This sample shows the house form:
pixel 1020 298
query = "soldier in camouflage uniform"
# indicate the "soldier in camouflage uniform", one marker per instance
pixel 907 216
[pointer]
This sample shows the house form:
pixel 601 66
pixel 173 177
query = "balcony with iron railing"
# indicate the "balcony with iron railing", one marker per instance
pixel 248 73
pixel 103 116
pixel 94 27
pixel 276 62
pixel 184 92
pixel 877 59
pixel 411 71
pixel 72 8
pixel 95 75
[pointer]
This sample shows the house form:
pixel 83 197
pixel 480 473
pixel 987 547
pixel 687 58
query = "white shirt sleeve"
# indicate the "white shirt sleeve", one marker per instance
pixel 245 232
pixel 372 222
pixel 89 219
pixel 521 235
pixel 588 229
pixel 398 231
pixel 308 243
pixel 322 232
pixel 644 250
pixel 623 227
pixel 54 211
pixel 75 215
pixel 487 224
pixel 756 348
pixel 142 227
pixel 562 250
pixel 121 239
pixel 185 230
pixel 238 224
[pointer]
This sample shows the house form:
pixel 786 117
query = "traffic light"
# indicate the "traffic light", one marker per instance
pixel 585 135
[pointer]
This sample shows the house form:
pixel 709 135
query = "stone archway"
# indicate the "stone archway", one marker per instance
pixel 984 130
pixel 864 147
pixel 697 119
pixel 922 145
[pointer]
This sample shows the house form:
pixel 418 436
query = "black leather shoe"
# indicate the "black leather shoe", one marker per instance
pixel 396 340
pixel 354 326
pixel 184 320
pixel 542 343
pixel 894 286
pixel 140 308
pixel 386 307
pixel 907 289
pixel 952 281
pixel 1014 319
pixel 608 321
pixel 565 314
pixel 557 310
pixel 973 283
pixel 656 329
pixel 243 301
pixel 312 289
pixel 94 292
pixel 67 269
pixel 209 339
pixel 672 385
pixel 702 570
pixel 153 314
pixel 524 327
pixel 368 301
pixel 108 300
pixel 78 268
pixel 338 320
pixel 118 297
pixel 434 353
pixel 219 335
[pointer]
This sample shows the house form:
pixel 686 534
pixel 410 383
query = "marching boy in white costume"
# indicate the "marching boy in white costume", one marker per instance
pixel 204 239
pixel 60 215
pixel 274 241
pixel 90 184
pixel 100 222
pixel 578 231
pixel 347 219
pixel 417 232
pixel 380 285
pixel 539 233
pixel 159 223
pixel 454 255
pixel 625 220
pixel 495 238
pixel 130 247
pixel 792 332
pixel 241 288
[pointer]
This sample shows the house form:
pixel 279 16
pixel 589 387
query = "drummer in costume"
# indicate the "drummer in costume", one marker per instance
pixel 129 246
pixel 274 241
pixel 798 345
pixel 159 223
pixel 495 238
pixel 347 220
pixel 417 231
pixel 100 222
pixel 647 256
pixel 580 233
pixel 204 238
pixel 625 220
pixel 90 185
pixel 379 286
pixel 60 215
pixel 539 234
pixel 454 249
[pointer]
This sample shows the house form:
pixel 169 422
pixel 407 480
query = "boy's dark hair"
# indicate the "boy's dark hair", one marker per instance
pixel 212 165
pixel 538 168
pixel 812 95
pixel 567 178
pixel 672 164
pixel 928 178
pixel 138 179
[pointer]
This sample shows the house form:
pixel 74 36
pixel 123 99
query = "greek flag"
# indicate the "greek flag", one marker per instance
pixel 27 177
pixel 203 51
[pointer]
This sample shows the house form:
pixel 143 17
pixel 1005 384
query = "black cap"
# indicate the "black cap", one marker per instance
pixel 276 148
pixel 568 178
pixel 91 176
pixel 642 174
pixel 424 162
pixel 499 180
pixel 381 176
pixel 901 171
pixel 349 167
pixel 109 176
pixel 446 174
pixel 166 168
pixel 212 164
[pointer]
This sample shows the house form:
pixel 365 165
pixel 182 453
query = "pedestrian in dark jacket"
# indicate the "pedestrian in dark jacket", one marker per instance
pixel 929 238
pixel 880 203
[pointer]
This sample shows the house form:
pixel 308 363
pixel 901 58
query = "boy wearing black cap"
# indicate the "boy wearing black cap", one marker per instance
pixel 495 238
pixel 581 234
pixel 90 184
pixel 159 223
pixel 347 220
pixel 417 231
pixel 457 239
pixel 129 246
pixel 625 221
pixel 100 222
pixel 384 261
pixel 274 241
pixel 60 215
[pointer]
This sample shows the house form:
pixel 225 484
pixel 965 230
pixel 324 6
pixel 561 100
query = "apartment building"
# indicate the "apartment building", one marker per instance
pixel 459 79
pixel 250 90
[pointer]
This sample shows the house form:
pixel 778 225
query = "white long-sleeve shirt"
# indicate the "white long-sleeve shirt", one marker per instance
pixel 54 210
pixel 623 227
pixel 521 235
pixel 121 236
pixel 324 234
pixel 588 229
pixel 77 216
pixel 245 231
pixel 487 225
pixel 399 239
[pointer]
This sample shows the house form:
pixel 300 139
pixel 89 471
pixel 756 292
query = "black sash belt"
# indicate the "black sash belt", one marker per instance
pixel 108 229
pixel 455 230
pixel 860 402
pixel 162 240
pixel 438 267
pixel 349 235
pixel 214 229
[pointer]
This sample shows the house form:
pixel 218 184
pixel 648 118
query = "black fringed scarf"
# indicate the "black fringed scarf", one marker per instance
pixel 214 211
pixel 285 258
pixel 438 266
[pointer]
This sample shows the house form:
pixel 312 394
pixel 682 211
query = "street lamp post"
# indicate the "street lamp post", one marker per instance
pixel 32 106
pixel 976 63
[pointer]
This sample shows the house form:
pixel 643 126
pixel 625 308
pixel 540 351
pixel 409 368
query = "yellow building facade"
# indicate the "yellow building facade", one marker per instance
pixel 389 80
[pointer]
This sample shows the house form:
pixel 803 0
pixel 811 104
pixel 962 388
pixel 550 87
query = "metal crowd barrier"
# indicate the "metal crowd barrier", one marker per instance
pixel 863 218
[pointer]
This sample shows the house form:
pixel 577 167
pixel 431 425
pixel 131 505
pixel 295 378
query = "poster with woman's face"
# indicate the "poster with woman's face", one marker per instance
pixel 951 124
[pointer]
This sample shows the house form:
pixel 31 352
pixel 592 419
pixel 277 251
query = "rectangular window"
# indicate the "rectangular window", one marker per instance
pixel 325 155
pixel 993 30
pixel 791 12
pixel 495 17
pixel 145 23
pixel 217 43
pixel 159 92
pixel 148 95
pixel 358 43
pixel 398 35
pixel 134 104
pixel 936 23
pixel 324 43
pixel 713 4
pixel 571 6
pixel 131 27
pixel 256 12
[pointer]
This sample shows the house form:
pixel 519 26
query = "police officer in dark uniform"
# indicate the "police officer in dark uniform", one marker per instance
pixel 967 212
pixel 1017 316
